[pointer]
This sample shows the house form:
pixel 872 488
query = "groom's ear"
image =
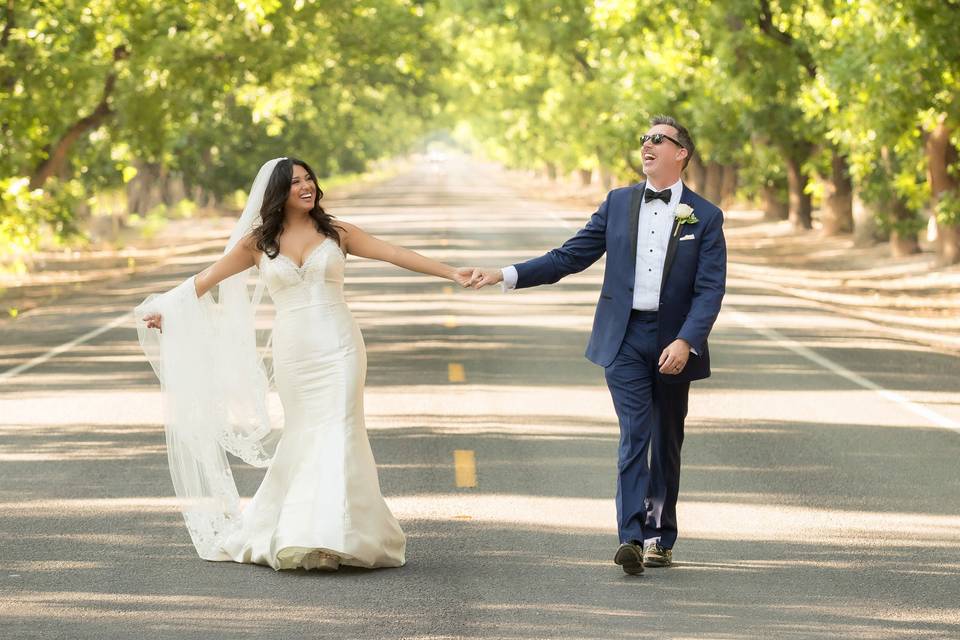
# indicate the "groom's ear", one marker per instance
pixel 682 153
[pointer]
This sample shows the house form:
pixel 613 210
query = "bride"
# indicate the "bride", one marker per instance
pixel 319 504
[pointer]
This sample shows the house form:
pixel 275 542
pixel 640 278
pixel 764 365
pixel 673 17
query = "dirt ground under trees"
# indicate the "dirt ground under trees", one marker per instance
pixel 908 297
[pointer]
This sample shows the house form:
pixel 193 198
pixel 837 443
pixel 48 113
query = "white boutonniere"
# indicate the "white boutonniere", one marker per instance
pixel 684 215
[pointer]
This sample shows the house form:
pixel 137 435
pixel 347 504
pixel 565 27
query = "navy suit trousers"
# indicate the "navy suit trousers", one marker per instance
pixel 651 414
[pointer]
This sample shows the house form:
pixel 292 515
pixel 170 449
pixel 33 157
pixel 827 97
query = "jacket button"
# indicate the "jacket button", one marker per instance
pixel 631 289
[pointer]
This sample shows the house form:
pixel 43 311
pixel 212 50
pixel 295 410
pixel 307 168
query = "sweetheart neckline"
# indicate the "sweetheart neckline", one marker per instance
pixel 305 260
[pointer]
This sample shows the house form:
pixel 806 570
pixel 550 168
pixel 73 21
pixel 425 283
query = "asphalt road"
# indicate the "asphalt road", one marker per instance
pixel 820 494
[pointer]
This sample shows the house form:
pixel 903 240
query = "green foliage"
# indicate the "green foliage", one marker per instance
pixel 206 91
pixel 27 215
pixel 948 209
pixel 759 82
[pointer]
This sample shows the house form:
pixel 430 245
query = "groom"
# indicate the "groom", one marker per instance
pixel 662 288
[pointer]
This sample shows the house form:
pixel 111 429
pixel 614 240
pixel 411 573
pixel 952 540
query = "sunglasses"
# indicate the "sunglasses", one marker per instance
pixel 658 138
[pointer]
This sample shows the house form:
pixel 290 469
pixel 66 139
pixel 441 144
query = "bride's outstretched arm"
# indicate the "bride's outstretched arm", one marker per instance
pixel 358 242
pixel 238 259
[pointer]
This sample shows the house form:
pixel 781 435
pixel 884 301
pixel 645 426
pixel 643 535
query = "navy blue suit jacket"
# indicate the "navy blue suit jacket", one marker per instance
pixel 691 290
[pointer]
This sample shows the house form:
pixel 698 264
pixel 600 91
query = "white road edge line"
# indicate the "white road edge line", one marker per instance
pixel 781 340
pixel 66 346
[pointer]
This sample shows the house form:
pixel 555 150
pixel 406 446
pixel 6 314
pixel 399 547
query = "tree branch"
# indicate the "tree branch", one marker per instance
pixel 587 69
pixel 765 22
pixel 58 152
pixel 766 25
pixel 7 25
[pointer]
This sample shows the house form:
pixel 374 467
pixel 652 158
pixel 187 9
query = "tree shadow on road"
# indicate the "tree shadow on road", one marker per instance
pixel 803 544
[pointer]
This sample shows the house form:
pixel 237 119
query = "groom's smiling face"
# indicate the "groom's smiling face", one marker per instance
pixel 664 161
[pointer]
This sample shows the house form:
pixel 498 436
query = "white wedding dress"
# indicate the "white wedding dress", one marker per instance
pixel 321 491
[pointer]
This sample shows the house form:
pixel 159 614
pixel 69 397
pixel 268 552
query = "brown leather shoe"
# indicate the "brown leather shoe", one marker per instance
pixel 656 556
pixel 630 557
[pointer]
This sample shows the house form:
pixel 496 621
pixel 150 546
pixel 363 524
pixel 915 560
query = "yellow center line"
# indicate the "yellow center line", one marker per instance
pixel 455 372
pixel 465 466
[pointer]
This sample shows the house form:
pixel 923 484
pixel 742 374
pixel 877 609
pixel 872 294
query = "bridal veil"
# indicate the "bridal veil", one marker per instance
pixel 215 387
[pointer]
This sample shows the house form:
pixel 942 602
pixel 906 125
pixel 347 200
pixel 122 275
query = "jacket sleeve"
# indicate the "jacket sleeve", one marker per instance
pixel 709 284
pixel 575 255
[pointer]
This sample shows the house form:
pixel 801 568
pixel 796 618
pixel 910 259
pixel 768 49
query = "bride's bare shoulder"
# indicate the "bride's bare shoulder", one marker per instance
pixel 246 248
pixel 345 228
pixel 249 244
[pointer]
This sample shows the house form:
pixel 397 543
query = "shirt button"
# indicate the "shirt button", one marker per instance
pixel 651 250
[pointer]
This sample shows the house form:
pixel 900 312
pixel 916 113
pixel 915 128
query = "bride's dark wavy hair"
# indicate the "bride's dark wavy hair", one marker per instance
pixel 275 197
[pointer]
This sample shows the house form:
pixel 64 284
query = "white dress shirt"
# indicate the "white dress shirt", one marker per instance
pixel 653 235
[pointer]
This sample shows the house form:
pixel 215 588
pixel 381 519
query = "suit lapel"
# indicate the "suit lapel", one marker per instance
pixel 635 201
pixel 674 240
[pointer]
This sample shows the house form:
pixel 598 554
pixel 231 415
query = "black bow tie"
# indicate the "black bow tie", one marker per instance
pixel 664 195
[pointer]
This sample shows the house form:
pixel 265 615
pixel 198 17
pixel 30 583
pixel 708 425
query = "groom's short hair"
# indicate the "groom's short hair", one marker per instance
pixel 682 135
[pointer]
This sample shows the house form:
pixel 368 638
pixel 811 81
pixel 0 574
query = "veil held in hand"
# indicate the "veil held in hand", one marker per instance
pixel 215 385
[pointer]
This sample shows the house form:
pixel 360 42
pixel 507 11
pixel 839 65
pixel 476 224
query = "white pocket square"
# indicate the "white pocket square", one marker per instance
pixel 689 236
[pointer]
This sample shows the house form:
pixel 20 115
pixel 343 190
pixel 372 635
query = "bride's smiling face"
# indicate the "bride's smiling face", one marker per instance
pixel 303 191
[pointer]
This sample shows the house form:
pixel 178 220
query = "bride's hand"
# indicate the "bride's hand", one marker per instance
pixel 484 277
pixel 464 276
pixel 154 321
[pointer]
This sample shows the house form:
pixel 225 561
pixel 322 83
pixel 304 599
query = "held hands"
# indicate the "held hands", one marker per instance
pixel 477 278
pixel 153 321
pixel 463 277
pixel 674 357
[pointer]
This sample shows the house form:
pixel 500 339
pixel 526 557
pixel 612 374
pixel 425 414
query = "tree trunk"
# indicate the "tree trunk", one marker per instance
pixel 606 177
pixel 800 206
pixel 837 215
pixel 866 231
pixel 173 189
pixel 586 177
pixel 144 191
pixel 903 240
pixel 902 244
pixel 696 174
pixel 728 187
pixel 774 203
pixel 940 155
pixel 57 154
pixel 552 171
pixel 713 182
pixel 948 244
pixel 198 195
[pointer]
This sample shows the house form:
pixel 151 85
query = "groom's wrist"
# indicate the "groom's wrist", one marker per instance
pixel 508 278
pixel 689 346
